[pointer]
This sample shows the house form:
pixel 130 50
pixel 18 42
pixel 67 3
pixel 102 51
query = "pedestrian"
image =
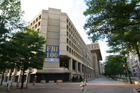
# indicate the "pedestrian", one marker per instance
pixel 9 84
pixel 82 85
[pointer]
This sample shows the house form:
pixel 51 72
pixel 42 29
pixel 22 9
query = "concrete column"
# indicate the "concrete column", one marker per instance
pixel 13 75
pixel 9 75
pixel 91 73
pixel 19 76
pixel 5 74
pixel 81 69
pixel 76 67
pixel 87 72
pixel 70 68
pixel 97 69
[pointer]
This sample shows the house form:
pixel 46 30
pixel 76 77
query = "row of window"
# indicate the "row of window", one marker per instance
pixel 36 20
pixel 36 23
pixel 93 46
pixel 74 42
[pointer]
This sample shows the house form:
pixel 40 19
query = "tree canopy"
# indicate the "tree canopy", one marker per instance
pixel 10 20
pixel 114 65
pixel 28 50
pixel 111 16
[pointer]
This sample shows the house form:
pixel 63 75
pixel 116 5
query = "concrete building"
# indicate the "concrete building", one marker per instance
pixel 102 71
pixel 67 53
pixel 134 64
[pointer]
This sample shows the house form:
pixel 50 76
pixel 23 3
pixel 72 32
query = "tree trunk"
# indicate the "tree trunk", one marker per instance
pixel 137 49
pixel 128 72
pixel 22 82
pixel 2 76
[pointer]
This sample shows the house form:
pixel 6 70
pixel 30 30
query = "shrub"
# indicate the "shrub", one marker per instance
pixel 73 79
pixel 80 79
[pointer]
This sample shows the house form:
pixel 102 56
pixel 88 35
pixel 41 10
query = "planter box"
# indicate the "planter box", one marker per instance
pixel 115 78
pixel 136 82
pixel 118 79
pixel 123 80
pixel 133 81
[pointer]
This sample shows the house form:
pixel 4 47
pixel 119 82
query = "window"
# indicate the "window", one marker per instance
pixel 38 29
pixel 40 17
pixel 38 23
pixel 33 22
pixel 35 26
pixel 36 19
pixel 67 48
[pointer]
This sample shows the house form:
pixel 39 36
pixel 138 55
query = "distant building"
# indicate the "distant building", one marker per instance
pixel 102 70
pixel 67 53
pixel 134 64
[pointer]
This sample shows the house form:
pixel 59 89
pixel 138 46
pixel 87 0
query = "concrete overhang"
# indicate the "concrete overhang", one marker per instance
pixel 94 47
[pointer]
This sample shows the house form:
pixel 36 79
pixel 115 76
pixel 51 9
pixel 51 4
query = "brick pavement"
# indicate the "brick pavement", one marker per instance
pixel 100 85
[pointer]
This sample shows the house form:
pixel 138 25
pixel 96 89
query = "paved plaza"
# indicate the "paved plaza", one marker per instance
pixel 100 85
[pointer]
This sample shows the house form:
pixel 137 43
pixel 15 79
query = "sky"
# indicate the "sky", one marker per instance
pixel 73 8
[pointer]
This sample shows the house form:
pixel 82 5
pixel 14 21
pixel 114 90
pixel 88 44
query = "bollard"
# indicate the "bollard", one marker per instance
pixel 17 84
pixel 41 82
pixel 33 83
pixel 57 82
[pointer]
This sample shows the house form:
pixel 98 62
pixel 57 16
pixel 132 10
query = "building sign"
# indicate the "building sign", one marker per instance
pixel 52 53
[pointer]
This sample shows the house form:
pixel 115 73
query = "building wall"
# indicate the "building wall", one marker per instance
pixel 134 64
pixel 102 71
pixel 75 59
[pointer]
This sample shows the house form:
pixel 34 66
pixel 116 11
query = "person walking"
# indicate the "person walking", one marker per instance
pixel 82 85
pixel 9 84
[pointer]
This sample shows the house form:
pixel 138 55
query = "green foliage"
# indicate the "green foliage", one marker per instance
pixel 119 19
pixel 112 16
pixel 73 79
pixel 28 46
pixel 28 50
pixel 80 78
pixel 114 65
pixel 10 19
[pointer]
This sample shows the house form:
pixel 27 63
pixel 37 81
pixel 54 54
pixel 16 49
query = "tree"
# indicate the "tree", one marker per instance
pixel 28 47
pixel 10 19
pixel 117 17
pixel 80 78
pixel 73 79
pixel 110 17
pixel 118 46
pixel 7 61
pixel 114 65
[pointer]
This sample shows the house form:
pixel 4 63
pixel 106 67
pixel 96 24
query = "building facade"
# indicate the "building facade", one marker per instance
pixel 102 71
pixel 67 55
pixel 134 64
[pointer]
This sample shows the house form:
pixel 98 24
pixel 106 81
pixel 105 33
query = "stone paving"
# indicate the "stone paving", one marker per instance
pixel 100 85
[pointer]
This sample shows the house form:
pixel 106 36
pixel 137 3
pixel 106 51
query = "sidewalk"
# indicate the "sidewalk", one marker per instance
pixel 100 85
pixel 104 80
